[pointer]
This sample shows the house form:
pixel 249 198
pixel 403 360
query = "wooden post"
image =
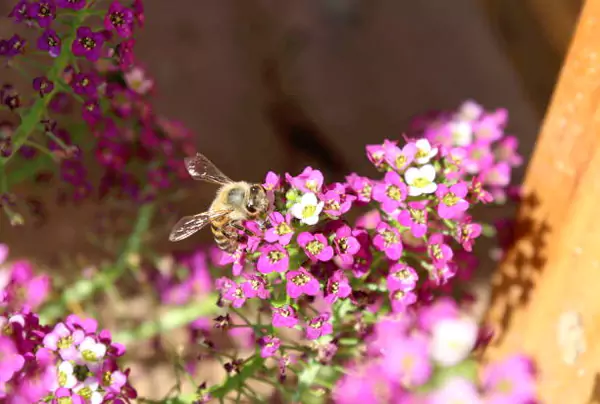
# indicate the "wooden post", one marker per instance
pixel 546 296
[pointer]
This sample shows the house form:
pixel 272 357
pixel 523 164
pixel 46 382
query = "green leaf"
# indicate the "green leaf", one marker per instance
pixel 466 369
pixel 306 379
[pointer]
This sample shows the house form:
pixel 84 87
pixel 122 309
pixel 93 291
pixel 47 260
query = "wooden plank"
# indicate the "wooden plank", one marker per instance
pixel 550 275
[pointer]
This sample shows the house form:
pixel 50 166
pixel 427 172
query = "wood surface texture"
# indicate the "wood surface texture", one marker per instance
pixel 551 273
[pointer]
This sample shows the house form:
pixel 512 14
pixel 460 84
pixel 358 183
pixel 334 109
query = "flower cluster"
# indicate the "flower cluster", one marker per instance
pixel 68 362
pixel 92 75
pixel 425 357
pixel 475 140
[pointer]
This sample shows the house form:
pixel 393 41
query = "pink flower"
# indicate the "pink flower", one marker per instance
pixel 269 345
pixel 272 182
pixel 506 150
pixel 498 175
pixel 388 240
pixel 238 259
pixel 478 194
pixel 452 201
pixel 315 246
pixel 402 277
pixel 345 245
pixel 479 158
pixel 319 326
pixel 439 252
pixel 236 296
pixel 361 186
pixel 415 218
pixel 509 381
pixel 336 201
pixel 281 231
pixel 337 287
pixel 407 361
pixel 391 193
pixel 301 282
pixel 255 286
pixel 400 159
pixel 10 360
pixel 455 390
pixel 376 153
pixel 487 129
pixel 284 316
pixel 64 341
pixel 466 233
pixel 309 180
pixel 273 258
pixel 401 299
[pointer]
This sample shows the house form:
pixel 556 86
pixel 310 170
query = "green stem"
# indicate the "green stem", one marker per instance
pixel 41 148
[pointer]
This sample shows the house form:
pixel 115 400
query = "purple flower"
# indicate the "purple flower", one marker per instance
pixel 273 258
pixel 466 233
pixel 337 287
pixel 255 286
pixel 478 193
pixel 10 360
pixel 64 341
pixel 388 240
pixel 376 153
pixel 452 201
pixel 308 180
pixel 402 277
pixel 88 44
pixel 415 218
pixel 238 259
pixel 346 246
pixel 509 381
pixel 120 19
pixel 91 112
pixel 49 41
pixel 506 150
pixel 86 84
pixel 439 252
pixel 20 11
pixel 72 4
pixel 272 182
pixel 487 129
pixel 479 158
pixel 301 282
pixel 284 316
pixel 408 361
pixel 401 299
pixel 361 186
pixel 498 175
pixel 319 326
pixel 391 193
pixel 315 246
pixel 400 159
pixel 13 46
pixel 235 295
pixel 364 384
pixel 281 230
pixel 336 201
pixel 43 11
pixel 42 85
pixel 269 345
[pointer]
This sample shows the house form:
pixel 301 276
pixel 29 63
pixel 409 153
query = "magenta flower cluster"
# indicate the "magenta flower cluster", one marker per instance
pixel 424 357
pixel 67 362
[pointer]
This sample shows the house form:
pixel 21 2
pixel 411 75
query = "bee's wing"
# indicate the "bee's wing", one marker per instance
pixel 202 169
pixel 189 225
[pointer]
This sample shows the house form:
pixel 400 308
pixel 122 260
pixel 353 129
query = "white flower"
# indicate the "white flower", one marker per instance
pixel 89 390
pixel 308 209
pixel 420 180
pixel 424 151
pixel 92 351
pixel 66 378
pixel 462 133
pixel 452 340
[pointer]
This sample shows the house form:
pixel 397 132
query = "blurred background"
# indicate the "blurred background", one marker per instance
pixel 276 85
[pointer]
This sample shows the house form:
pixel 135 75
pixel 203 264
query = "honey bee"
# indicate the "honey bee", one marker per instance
pixel 235 202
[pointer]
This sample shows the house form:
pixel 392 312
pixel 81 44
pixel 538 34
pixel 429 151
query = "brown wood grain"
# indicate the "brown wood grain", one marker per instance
pixel 553 268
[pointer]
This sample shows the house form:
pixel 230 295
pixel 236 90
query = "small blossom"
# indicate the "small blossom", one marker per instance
pixel 281 231
pixel 346 246
pixel 273 258
pixel 424 151
pixel 376 154
pixel 401 299
pixel 361 186
pixel 120 19
pixel 255 286
pixel 308 209
pixel 43 11
pixel 42 85
pixel 455 390
pixel 420 180
pixel 301 282
pixel 308 181
pixel 269 346
pixel 452 340
pixel 400 159
pixel 402 277
pixel 407 361
pixel 415 218
pixel 88 44
pixel 284 316
pixel 319 326
pixel 91 352
pixel 452 201
pixel 509 381
pixel 466 233
pixel 10 360
pixel 391 193
pixel 235 295
pixel 315 246
pixel 439 252
pixel 506 150
pixel 336 201
pixel 337 287
pixel 272 181
pixel 49 41
pixel 388 240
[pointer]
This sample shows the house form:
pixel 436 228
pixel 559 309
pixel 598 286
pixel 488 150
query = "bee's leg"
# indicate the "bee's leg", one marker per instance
pixel 238 225
pixel 229 230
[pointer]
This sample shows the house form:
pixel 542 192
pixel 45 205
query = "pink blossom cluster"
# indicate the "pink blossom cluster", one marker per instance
pixel 67 362
pixel 476 139
pixel 424 357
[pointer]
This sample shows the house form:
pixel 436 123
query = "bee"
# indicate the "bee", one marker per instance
pixel 234 202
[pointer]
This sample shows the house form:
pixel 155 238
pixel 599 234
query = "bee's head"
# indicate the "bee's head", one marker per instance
pixel 256 201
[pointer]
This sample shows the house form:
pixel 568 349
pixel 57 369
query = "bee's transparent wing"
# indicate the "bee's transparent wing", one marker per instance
pixel 202 169
pixel 189 225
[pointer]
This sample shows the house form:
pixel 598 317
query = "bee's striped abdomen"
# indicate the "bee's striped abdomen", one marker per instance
pixel 227 242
